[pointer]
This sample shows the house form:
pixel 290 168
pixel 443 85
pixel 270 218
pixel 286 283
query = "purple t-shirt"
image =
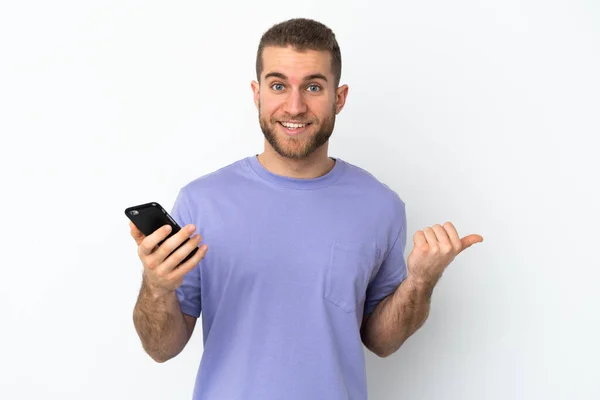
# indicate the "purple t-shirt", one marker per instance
pixel 292 266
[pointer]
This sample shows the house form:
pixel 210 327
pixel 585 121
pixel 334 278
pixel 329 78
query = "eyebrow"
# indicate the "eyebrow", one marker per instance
pixel 306 78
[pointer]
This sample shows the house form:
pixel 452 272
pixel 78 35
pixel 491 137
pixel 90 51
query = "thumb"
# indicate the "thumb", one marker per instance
pixel 135 233
pixel 470 240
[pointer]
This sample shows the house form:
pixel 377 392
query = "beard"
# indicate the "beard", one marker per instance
pixel 301 146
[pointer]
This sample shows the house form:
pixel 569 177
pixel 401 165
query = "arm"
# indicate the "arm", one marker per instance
pixel 396 317
pixel 163 329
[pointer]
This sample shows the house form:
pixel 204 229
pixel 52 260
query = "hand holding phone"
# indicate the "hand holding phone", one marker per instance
pixel 166 251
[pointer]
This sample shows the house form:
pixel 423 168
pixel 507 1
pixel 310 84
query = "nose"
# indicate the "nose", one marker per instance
pixel 295 104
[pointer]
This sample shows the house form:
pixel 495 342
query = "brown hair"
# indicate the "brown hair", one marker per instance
pixel 302 34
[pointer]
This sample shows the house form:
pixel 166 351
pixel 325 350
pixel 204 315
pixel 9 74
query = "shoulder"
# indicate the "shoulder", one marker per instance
pixel 377 192
pixel 224 178
pixel 381 206
pixel 205 194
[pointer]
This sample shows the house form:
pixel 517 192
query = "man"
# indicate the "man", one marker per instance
pixel 306 259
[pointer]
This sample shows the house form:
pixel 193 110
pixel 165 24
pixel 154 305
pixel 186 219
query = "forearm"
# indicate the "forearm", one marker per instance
pixel 160 324
pixel 397 317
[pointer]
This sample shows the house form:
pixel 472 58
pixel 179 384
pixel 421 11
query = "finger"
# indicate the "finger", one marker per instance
pixel 453 235
pixel 171 244
pixel 431 238
pixel 419 239
pixel 441 235
pixel 173 259
pixel 135 233
pixel 179 270
pixel 470 240
pixel 150 242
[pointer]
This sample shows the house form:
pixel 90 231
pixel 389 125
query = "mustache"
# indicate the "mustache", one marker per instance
pixel 298 119
pixel 295 120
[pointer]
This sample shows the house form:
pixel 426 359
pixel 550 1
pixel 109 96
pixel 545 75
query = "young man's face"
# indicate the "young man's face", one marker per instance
pixel 296 100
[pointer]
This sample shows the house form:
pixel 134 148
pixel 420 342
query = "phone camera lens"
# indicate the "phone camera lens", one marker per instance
pixel 134 212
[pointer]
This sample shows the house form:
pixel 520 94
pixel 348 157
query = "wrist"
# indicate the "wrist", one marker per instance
pixel 152 292
pixel 422 287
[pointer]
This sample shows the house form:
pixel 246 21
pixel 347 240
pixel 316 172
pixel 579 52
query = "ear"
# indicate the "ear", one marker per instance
pixel 340 98
pixel 256 91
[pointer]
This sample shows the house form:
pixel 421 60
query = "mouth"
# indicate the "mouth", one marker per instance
pixel 293 128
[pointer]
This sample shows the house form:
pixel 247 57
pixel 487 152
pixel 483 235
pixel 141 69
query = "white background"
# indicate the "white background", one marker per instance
pixel 483 113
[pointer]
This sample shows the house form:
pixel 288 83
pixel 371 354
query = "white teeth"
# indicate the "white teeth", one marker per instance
pixel 293 126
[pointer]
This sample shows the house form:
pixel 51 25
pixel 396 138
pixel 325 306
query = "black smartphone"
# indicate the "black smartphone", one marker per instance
pixel 151 216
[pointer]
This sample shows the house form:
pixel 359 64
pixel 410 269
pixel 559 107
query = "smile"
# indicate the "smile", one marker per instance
pixel 293 125
pixel 292 128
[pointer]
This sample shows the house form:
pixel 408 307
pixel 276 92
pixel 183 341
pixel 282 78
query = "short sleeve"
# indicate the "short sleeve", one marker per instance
pixel 392 271
pixel 189 291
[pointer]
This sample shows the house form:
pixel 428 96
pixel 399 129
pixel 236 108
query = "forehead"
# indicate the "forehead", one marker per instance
pixel 295 64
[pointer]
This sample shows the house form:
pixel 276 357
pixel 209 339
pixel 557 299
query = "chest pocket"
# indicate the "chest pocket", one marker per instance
pixel 350 267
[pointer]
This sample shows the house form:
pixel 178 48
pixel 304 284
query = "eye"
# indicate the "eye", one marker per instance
pixel 315 88
pixel 277 87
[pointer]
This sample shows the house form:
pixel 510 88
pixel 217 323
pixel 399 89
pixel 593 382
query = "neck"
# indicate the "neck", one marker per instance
pixel 315 165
